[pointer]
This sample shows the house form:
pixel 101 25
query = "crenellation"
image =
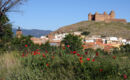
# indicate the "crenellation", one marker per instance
pixel 104 17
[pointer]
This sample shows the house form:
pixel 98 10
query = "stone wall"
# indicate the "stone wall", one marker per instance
pixel 104 17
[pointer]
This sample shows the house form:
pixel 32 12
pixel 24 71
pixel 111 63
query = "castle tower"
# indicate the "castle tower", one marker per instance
pixel 19 33
pixel 105 13
pixel 96 13
pixel 112 14
pixel 89 17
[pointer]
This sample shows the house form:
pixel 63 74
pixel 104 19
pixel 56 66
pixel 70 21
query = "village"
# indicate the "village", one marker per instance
pixel 94 42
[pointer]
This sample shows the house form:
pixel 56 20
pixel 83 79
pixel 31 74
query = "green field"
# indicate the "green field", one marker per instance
pixel 57 64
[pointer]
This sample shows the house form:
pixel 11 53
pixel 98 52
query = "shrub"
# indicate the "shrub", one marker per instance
pixel 74 42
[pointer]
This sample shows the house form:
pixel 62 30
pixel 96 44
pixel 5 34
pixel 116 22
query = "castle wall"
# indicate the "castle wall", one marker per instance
pixel 105 17
pixel 99 17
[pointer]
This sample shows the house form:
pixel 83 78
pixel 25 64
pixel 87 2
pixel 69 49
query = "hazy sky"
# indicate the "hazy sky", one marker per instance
pixel 53 14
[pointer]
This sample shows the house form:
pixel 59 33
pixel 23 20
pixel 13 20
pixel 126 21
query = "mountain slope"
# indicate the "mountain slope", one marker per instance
pixel 99 28
pixel 33 32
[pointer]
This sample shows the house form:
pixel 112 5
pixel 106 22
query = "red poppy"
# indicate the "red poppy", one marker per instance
pixel 82 55
pixel 68 46
pixel 37 50
pixel 88 59
pixel 97 53
pixel 44 55
pixel 86 53
pixel 26 45
pixel 81 58
pixel 47 64
pixel 38 53
pixel 93 60
pixel 78 54
pixel 101 70
pixel 63 47
pixel 114 57
pixel 34 53
pixel 125 76
pixel 74 52
pixel 23 55
pixel 81 61
pixel 46 51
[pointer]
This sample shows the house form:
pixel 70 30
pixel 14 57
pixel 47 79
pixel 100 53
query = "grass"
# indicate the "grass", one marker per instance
pixel 99 28
pixel 63 66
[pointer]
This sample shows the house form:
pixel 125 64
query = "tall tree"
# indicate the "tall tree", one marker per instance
pixel 5 6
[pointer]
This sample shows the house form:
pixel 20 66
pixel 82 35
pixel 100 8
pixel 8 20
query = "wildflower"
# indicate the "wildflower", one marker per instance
pixel 38 53
pixel 93 60
pixel 88 59
pixel 86 53
pixel 34 53
pixel 44 55
pixel 68 46
pixel 101 70
pixel 74 52
pixel 37 50
pixel 78 54
pixel 82 55
pixel 114 57
pixel 23 55
pixel 97 53
pixel 81 58
pixel 47 64
pixel 125 76
pixel 46 51
pixel 26 45
pixel 63 47
pixel 81 61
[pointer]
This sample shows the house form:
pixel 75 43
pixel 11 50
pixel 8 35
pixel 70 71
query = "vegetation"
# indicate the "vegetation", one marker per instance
pixel 85 33
pixel 99 28
pixel 21 59
pixel 73 42
pixel 59 65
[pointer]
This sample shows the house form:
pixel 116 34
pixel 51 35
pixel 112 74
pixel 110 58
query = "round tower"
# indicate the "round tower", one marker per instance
pixel 18 32
pixel 105 13
pixel 89 17
pixel 112 14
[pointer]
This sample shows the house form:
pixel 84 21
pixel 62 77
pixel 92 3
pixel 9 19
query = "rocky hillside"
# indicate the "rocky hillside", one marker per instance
pixel 99 28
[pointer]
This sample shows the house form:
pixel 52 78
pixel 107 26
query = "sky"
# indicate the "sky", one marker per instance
pixel 53 14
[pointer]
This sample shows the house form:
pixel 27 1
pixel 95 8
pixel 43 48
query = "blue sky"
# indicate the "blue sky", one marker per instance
pixel 53 14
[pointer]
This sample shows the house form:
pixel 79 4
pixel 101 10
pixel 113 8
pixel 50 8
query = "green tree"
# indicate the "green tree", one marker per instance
pixel 19 43
pixel 74 42
pixel 85 33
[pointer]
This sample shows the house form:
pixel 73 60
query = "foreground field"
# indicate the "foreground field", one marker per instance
pixel 61 65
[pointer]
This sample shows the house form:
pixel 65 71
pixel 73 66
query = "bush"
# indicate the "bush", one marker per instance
pixel 73 42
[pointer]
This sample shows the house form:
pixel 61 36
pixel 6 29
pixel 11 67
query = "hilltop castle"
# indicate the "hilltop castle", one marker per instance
pixel 104 17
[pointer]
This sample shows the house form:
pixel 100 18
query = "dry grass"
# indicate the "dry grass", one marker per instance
pixel 8 62
pixel 99 28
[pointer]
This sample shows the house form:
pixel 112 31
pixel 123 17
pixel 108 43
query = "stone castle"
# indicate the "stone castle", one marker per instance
pixel 104 17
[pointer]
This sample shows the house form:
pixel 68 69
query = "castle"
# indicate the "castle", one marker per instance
pixel 104 17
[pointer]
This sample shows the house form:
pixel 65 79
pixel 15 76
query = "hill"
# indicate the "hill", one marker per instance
pixel 99 28
pixel 33 32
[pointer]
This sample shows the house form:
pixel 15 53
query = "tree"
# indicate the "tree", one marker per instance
pixel 85 33
pixel 5 6
pixel 74 42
